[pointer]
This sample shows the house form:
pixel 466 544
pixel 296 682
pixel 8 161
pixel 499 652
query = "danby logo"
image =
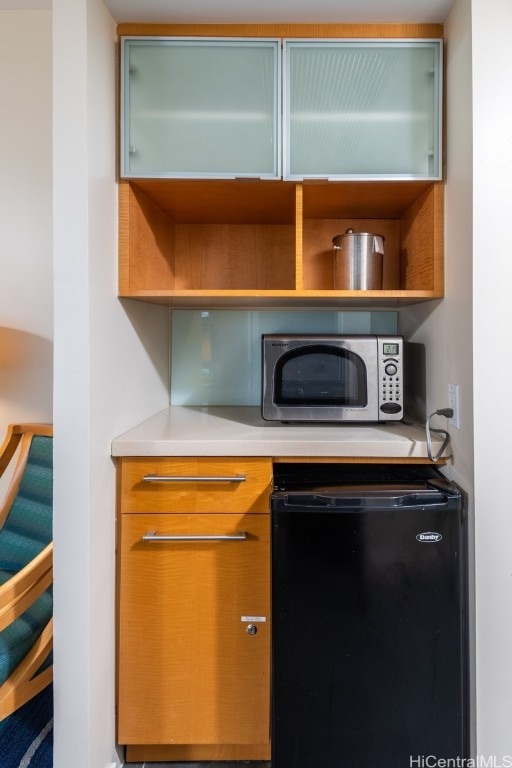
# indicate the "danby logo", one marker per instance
pixel 429 537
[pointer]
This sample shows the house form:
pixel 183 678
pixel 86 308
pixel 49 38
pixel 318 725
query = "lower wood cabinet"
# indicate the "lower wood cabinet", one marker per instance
pixel 194 630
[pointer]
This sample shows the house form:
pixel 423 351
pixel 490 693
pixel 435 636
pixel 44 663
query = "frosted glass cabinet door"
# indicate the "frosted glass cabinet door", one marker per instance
pixel 200 107
pixel 362 109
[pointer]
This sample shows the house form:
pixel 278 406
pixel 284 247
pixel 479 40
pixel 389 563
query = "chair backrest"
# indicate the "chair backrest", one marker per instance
pixel 28 526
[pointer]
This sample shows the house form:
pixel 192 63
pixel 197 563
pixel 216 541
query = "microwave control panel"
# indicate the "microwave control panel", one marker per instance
pixel 391 377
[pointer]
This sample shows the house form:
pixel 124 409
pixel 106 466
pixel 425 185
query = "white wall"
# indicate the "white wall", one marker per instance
pixel 492 315
pixel 111 370
pixel 467 335
pixel 445 328
pixel 26 292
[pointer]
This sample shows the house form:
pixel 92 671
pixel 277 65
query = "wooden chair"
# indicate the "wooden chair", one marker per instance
pixel 26 570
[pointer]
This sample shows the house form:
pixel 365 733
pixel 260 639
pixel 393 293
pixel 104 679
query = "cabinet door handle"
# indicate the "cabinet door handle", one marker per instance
pixel 153 536
pixel 194 478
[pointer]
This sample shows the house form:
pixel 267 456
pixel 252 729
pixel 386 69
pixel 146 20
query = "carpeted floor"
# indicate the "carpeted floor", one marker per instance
pixel 26 737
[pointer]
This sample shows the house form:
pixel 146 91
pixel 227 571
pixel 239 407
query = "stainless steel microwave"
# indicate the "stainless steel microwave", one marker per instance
pixel 332 377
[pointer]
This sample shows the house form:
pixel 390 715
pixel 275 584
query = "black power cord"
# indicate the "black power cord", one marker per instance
pixel 448 412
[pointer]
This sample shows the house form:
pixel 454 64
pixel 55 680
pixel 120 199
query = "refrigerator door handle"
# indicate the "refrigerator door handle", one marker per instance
pixel 367 500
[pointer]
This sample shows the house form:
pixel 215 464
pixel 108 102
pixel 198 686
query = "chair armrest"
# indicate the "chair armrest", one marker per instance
pixel 17 434
pixel 13 437
pixel 17 594
pixel 8 447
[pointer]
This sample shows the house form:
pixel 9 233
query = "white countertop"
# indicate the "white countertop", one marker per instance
pixel 240 431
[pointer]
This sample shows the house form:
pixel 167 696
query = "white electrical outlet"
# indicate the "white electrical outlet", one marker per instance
pixel 454 404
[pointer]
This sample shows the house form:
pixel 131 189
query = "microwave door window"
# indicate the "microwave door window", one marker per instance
pixel 321 377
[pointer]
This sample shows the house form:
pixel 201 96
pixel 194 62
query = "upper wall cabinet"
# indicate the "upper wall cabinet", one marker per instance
pixel 199 107
pixel 351 112
pixel 212 108
pixel 362 109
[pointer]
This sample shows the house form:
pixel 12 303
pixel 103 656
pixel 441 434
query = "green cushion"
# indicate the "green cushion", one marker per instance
pixel 28 528
pixel 19 637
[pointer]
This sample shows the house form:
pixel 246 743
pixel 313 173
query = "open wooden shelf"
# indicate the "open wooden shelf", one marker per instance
pixel 269 243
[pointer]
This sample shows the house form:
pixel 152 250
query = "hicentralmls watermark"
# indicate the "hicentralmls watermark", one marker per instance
pixel 481 761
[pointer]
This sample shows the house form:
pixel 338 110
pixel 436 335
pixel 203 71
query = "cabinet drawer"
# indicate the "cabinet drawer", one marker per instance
pixel 194 484
pixel 194 652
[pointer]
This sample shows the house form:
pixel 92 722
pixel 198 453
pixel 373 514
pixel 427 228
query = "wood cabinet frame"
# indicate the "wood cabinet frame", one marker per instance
pixel 252 243
pixel 192 682
pixel 256 243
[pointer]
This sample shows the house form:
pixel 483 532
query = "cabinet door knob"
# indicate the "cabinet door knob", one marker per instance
pixel 251 629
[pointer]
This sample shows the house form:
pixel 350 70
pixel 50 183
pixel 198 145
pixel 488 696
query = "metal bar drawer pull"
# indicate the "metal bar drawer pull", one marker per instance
pixel 194 479
pixel 153 536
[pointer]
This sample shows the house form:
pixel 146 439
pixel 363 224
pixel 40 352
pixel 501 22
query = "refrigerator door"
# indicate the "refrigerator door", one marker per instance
pixel 368 632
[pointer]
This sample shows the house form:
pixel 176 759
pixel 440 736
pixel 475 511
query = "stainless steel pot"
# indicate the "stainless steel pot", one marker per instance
pixel 358 258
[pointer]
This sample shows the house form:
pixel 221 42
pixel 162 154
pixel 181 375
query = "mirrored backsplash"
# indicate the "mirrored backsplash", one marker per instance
pixel 216 354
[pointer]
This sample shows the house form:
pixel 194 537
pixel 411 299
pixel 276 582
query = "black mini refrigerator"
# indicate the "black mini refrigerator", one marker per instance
pixel 368 617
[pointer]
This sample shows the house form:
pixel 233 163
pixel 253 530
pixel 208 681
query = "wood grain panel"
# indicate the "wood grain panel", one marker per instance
pixel 227 256
pixel 285 30
pixel 146 243
pixel 124 193
pixel 438 238
pixel 322 299
pixel 361 199
pixel 299 238
pixel 184 497
pixel 189 673
pixel 212 201
pixel 422 243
